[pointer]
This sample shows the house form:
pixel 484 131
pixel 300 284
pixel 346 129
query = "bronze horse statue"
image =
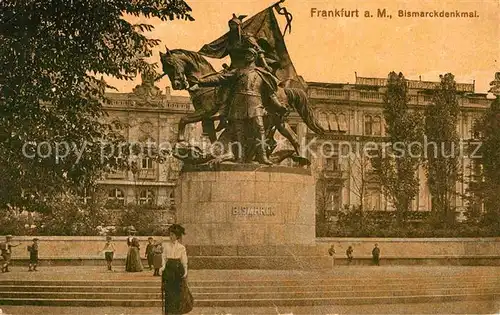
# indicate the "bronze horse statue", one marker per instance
pixel 180 65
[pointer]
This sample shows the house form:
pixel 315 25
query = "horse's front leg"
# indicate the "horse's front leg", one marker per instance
pixel 184 121
pixel 286 130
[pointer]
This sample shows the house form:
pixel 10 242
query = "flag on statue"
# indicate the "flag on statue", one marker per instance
pixel 262 25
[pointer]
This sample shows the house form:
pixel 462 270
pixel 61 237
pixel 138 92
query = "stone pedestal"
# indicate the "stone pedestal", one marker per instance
pixel 246 204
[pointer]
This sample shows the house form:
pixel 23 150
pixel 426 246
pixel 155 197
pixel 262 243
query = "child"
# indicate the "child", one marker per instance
pixel 348 252
pixel 7 252
pixel 157 258
pixel 33 249
pixel 149 252
pixel 109 251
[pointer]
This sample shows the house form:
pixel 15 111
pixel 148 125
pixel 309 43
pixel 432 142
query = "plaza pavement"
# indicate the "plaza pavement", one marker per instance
pixel 468 307
pixel 376 273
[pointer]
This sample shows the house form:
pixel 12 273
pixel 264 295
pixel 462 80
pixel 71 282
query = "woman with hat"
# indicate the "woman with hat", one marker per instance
pixel 133 262
pixel 131 234
pixel 176 296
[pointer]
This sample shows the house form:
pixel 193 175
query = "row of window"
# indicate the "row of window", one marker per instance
pixel 338 122
pixel 333 121
pixel 146 196
pixel 372 200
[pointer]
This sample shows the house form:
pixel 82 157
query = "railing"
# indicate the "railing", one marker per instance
pixel 377 97
pixel 147 174
pixel 329 93
pixel 162 104
pixel 413 84
pixel 116 175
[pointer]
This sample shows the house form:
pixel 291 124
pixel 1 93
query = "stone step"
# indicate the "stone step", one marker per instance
pixel 153 287
pixel 257 302
pixel 299 294
pixel 295 281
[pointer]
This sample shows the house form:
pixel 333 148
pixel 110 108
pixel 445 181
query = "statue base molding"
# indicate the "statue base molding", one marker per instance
pixel 246 205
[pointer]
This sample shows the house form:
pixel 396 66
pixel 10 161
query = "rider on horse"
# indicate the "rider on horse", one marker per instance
pixel 238 41
pixel 249 86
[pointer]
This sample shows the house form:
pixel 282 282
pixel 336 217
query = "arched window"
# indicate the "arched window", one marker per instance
pixel 377 126
pixel 368 125
pixel 334 126
pixel 116 195
pixel 323 120
pixel 146 196
pixel 342 121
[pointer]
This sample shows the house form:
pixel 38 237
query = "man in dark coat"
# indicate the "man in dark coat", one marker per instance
pixel 376 255
pixel 149 252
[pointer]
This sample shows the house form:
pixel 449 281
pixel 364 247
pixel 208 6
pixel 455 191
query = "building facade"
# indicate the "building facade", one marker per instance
pixel 147 115
pixel 352 114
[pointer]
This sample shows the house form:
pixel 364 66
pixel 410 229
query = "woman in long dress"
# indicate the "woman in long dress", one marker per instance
pixel 133 263
pixel 174 286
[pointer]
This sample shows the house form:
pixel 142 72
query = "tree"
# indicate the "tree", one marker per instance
pixel 358 164
pixel 397 167
pixel 442 149
pixel 51 98
pixel 488 189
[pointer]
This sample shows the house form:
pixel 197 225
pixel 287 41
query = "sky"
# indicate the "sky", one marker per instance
pixel 333 49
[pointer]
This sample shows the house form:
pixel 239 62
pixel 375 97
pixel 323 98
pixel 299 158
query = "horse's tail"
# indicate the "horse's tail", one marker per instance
pixel 299 101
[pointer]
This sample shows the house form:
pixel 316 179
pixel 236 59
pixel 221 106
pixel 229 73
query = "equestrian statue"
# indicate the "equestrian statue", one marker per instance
pixel 251 98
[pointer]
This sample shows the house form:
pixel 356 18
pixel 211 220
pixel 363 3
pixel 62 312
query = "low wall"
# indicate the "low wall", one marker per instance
pixel 64 250
pixel 73 247
pixel 414 247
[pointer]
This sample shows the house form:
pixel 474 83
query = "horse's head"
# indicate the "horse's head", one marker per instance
pixel 180 64
pixel 175 67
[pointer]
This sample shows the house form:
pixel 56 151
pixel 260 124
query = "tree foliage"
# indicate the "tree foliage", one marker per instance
pixel 442 158
pixel 52 55
pixel 486 188
pixel 398 166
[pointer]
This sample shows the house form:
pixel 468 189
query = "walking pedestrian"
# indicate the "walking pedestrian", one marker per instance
pixel 33 250
pixel 133 262
pixel 376 255
pixel 109 252
pixel 331 252
pixel 6 248
pixel 349 252
pixel 149 252
pixel 177 299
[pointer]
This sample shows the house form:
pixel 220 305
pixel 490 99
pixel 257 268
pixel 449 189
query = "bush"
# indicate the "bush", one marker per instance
pixel 15 222
pixel 71 217
pixel 353 222
pixel 371 228
pixel 144 218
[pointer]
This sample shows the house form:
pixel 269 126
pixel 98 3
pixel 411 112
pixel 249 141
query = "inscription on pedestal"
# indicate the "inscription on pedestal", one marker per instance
pixel 252 211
